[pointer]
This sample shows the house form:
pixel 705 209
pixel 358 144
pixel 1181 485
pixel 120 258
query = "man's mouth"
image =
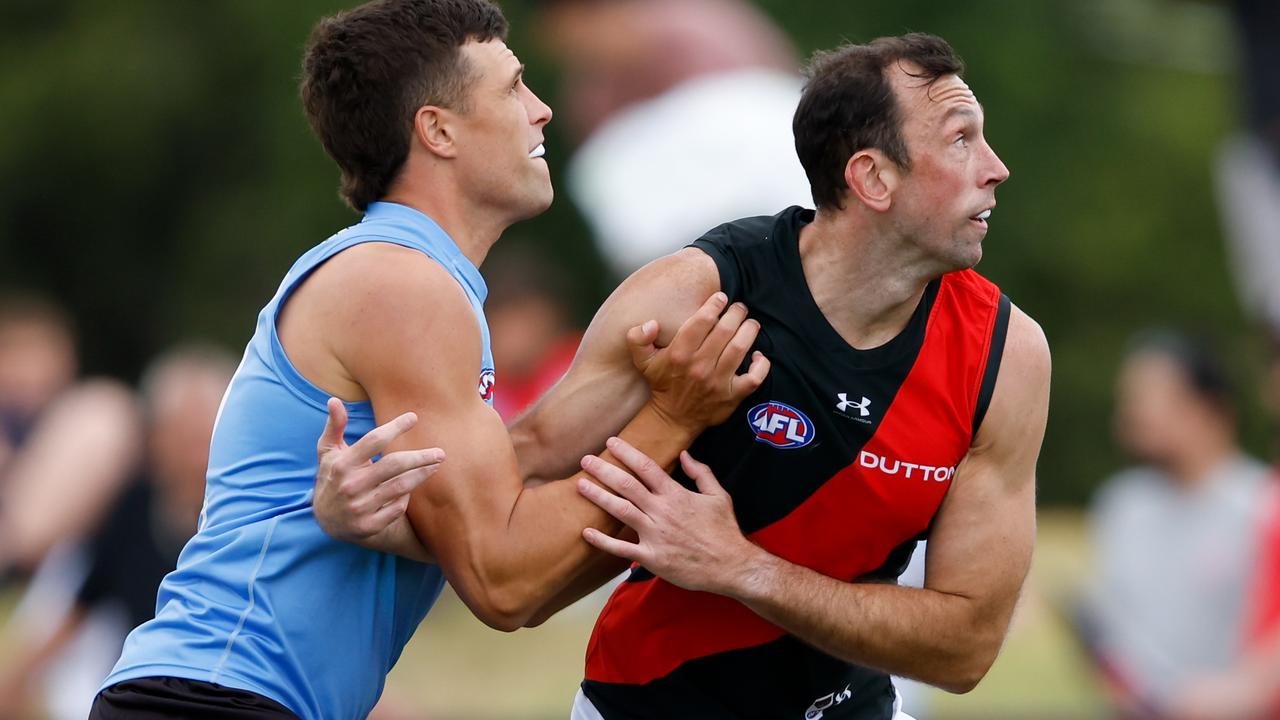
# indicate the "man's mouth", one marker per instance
pixel 981 218
pixel 538 151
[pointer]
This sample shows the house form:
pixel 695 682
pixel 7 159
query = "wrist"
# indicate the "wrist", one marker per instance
pixel 670 423
pixel 752 578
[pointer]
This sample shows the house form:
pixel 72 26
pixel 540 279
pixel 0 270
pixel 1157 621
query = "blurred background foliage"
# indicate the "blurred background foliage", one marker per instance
pixel 160 176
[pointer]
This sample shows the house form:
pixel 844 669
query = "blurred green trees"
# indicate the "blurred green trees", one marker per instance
pixel 159 176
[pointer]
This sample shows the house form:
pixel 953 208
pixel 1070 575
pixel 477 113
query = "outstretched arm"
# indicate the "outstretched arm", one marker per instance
pixel 948 633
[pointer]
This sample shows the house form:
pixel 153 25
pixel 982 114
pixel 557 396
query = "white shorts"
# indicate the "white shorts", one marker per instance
pixel 584 710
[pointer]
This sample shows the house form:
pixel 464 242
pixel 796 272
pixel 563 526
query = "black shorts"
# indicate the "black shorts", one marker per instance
pixel 173 698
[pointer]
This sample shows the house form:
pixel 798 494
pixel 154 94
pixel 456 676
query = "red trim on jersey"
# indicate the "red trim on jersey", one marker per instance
pixel 849 525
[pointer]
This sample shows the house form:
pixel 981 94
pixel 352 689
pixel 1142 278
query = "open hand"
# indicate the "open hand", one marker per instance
pixel 690 539
pixel 357 498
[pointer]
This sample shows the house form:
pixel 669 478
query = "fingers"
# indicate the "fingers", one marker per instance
pixel 735 350
pixel 701 474
pixel 393 464
pixel 726 329
pixel 694 331
pixel 387 514
pixel 621 508
pixel 402 485
pixel 377 439
pixel 335 425
pixel 640 341
pixel 743 385
pixel 646 470
pixel 613 546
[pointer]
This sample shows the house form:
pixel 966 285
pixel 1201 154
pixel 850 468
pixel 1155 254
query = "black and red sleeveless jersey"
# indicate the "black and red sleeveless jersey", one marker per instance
pixel 838 462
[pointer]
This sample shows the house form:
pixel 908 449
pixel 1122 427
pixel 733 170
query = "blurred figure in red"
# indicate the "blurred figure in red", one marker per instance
pixel 683 109
pixel 134 547
pixel 1176 538
pixel 533 338
pixel 1247 178
pixel 66 447
pixel 1250 688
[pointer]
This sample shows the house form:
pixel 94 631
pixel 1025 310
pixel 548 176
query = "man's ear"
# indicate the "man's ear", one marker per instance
pixel 872 177
pixel 436 130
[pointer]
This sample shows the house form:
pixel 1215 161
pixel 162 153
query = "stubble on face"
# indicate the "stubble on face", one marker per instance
pixel 940 192
pixel 502 133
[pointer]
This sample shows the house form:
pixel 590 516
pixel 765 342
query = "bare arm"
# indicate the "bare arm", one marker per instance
pixel 414 346
pixel 602 390
pixel 59 484
pixel 946 634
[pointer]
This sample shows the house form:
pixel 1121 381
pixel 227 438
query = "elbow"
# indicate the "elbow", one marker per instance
pixel 966 672
pixel 504 607
pixel 539 617
pixel 502 622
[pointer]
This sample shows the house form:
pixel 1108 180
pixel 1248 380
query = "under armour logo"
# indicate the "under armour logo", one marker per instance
pixel 845 403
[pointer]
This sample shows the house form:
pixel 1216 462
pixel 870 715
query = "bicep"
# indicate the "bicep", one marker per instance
pixel 981 543
pixel 476 486
pixel 415 346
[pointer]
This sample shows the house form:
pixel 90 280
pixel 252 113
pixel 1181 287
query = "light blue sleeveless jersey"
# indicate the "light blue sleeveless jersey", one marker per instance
pixel 262 600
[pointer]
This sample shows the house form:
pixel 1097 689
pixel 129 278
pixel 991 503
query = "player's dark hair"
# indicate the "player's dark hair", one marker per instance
pixel 848 105
pixel 368 70
pixel 1201 367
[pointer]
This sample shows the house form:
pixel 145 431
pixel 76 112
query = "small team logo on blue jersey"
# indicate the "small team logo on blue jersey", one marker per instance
pixel 780 425
pixel 487 380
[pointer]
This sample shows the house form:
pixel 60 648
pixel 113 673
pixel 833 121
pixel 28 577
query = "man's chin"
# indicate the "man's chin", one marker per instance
pixel 963 258
pixel 536 203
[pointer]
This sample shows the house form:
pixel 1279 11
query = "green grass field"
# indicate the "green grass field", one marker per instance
pixel 457 669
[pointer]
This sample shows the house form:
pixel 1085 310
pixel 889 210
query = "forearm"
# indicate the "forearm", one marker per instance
pixel 935 637
pixel 600 569
pixel 519 558
pixel 552 437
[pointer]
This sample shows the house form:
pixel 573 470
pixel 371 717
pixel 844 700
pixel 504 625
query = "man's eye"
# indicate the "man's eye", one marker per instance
pixel 962 140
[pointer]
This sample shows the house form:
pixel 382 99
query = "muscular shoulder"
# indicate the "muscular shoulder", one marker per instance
pixel 1020 401
pixel 377 276
pixel 377 308
pixel 1026 350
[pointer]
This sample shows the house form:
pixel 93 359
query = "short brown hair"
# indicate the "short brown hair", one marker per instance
pixel 368 70
pixel 848 105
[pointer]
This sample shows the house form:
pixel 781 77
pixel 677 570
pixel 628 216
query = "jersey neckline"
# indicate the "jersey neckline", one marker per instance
pixel 817 328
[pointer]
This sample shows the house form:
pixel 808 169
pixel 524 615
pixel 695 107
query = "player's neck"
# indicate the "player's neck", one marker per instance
pixel 474 230
pixel 867 289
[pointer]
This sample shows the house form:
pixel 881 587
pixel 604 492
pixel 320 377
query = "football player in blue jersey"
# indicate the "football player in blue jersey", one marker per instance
pixel 424 108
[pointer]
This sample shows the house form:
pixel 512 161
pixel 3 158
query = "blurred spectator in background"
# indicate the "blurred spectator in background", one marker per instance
pixel 1248 183
pixel 65 446
pixel 132 549
pixel 533 338
pixel 683 108
pixel 37 361
pixel 1176 538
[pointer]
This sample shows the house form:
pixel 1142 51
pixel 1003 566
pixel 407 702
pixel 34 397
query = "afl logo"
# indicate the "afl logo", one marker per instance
pixel 780 425
pixel 487 380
